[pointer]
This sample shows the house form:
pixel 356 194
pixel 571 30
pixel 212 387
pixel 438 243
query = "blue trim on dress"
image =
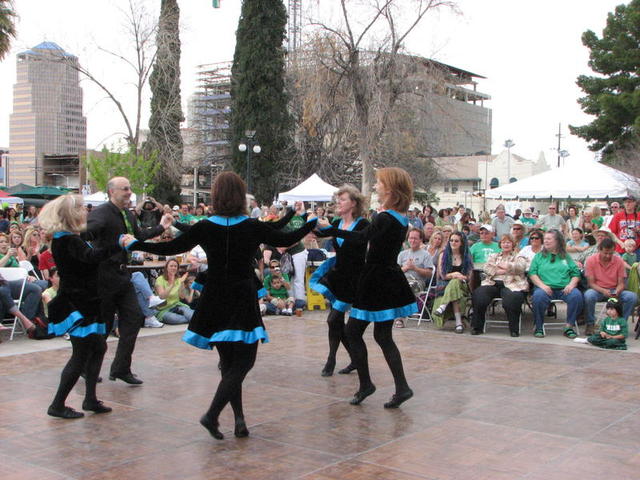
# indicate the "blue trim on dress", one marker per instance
pixel 404 221
pixel 314 284
pixel 128 247
pixel 384 315
pixel 93 328
pixel 197 340
pixel 262 292
pixel 351 227
pixel 61 234
pixel 197 286
pixel 60 328
pixel 70 325
pixel 227 221
pixel 340 305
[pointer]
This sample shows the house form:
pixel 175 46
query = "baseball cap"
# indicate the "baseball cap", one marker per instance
pixel 176 208
pixel 488 228
pixel 629 197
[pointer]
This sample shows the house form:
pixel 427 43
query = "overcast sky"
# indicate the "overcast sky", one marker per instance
pixel 530 51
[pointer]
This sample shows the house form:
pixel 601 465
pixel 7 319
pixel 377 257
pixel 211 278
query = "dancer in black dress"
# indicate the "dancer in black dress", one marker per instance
pixel 337 278
pixel 75 309
pixel 383 292
pixel 227 314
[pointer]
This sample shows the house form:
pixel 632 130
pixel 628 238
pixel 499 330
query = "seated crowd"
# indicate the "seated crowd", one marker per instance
pixel 470 264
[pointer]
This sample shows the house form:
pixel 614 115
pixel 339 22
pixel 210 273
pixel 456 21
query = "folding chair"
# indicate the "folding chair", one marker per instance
pixel 425 294
pixel 28 266
pixel 501 323
pixel 12 275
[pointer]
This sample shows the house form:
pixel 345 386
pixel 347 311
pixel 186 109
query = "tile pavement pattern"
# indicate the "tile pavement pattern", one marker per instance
pixel 484 408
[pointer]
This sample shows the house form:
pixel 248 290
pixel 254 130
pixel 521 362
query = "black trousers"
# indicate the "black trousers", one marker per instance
pixel 124 302
pixel 511 301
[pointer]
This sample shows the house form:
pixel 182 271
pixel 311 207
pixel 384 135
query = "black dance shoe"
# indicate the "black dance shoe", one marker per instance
pixel 64 412
pixel 515 334
pixel 241 429
pixel 360 395
pixel 96 407
pixel 347 370
pixel 129 378
pixel 398 398
pixel 212 427
pixel 327 371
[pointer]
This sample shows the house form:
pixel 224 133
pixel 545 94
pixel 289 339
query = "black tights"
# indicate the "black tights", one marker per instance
pixel 335 321
pixel 382 334
pixel 86 357
pixel 236 360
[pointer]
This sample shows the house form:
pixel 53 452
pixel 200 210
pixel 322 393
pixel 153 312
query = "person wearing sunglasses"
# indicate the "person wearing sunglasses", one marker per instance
pixel 534 246
pixel 518 230
pixel 552 220
pixel 555 276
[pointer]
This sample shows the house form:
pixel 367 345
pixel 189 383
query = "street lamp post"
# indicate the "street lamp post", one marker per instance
pixel 508 144
pixel 248 146
pixel 563 154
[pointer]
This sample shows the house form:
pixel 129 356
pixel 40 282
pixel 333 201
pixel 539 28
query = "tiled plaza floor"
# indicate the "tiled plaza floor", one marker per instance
pixel 484 408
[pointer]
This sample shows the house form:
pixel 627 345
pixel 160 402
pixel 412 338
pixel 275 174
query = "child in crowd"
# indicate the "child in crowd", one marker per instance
pixel 613 329
pixel 51 292
pixel 629 256
pixel 280 303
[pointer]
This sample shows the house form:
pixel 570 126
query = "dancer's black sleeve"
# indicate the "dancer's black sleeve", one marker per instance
pixel 286 218
pixel 80 251
pixel 277 238
pixel 378 227
pixel 183 243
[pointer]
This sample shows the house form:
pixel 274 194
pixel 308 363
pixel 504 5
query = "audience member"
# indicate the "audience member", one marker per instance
pixel 574 220
pixel 415 262
pixel 629 257
pixel 626 223
pixel 435 246
pixel 481 250
pixel 454 274
pixel 555 276
pixel 277 286
pixel 517 232
pixel 505 278
pixel 606 275
pixel 577 244
pixel 552 221
pixel 613 209
pixel 149 213
pixel 501 223
pixel 167 287
pixel 427 231
pixel 613 329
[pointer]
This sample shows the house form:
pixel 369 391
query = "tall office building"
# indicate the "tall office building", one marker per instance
pixel 48 133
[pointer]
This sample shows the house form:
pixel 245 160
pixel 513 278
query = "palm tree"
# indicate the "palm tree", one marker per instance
pixel 7 26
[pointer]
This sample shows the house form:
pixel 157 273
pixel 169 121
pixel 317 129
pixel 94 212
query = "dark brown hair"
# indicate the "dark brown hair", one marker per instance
pixel 229 195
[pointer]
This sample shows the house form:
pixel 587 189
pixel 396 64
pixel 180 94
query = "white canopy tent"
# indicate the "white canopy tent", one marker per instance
pixel 584 180
pixel 99 198
pixel 313 189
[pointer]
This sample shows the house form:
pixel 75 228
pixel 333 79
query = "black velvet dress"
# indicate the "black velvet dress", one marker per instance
pixel 228 309
pixel 75 308
pixel 383 292
pixel 337 278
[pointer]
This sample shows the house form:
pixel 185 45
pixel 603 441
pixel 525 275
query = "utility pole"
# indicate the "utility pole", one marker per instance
pixel 559 135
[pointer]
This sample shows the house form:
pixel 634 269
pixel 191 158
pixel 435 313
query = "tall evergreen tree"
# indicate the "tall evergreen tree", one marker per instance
pixel 7 26
pixel 166 109
pixel 259 101
pixel 613 96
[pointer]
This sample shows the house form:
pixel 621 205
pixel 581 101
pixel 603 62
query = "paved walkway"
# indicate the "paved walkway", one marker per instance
pixel 487 407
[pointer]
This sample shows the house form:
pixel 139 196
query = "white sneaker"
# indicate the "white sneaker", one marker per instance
pixel 263 308
pixel 152 322
pixel 155 300
pixel 580 340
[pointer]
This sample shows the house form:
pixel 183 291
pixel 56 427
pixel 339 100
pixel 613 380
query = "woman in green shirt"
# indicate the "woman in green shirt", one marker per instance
pixel 8 255
pixel 555 276
pixel 168 288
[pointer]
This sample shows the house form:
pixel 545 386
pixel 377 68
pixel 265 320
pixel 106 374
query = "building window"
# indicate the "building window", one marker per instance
pixel 454 187
pixel 513 179
pixel 494 183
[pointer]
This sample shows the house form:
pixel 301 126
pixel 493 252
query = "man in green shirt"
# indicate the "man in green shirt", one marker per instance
pixel 481 250
pixel 185 215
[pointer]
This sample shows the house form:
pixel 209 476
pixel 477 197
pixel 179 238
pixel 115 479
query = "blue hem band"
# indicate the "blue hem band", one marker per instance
pixel 384 315
pixel 61 234
pixel 258 333
pixel 70 325
pixel 340 305
pixel 130 246
pixel 262 292
pixel 197 286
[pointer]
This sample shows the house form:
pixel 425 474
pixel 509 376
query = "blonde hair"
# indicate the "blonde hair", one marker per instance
pixel 355 196
pixel 65 213
pixel 400 187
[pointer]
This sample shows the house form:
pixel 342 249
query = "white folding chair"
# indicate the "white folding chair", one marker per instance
pixel 28 266
pixel 500 323
pixel 13 275
pixel 425 304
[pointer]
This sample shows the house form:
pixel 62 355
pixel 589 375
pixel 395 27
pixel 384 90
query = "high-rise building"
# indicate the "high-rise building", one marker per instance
pixel 48 133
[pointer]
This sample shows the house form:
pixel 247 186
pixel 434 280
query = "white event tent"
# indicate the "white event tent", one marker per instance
pixel 584 180
pixel 99 198
pixel 313 189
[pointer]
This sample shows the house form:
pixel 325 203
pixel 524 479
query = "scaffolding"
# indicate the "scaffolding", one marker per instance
pixel 294 26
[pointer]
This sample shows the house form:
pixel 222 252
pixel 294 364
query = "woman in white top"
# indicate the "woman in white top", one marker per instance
pixel 535 245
